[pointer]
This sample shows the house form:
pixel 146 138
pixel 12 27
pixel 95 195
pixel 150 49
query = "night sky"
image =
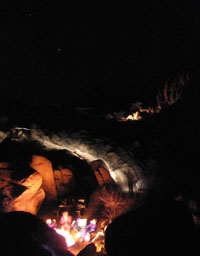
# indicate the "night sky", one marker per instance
pixel 64 52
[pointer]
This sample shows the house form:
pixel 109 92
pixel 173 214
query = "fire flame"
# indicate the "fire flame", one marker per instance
pixel 68 238
pixel 79 231
pixel 134 116
pixel 137 114
pixel 87 237
pixel 169 94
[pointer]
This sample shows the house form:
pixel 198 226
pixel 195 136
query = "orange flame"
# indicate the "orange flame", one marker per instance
pixel 75 237
pixel 68 238
pixel 137 114
pixel 169 94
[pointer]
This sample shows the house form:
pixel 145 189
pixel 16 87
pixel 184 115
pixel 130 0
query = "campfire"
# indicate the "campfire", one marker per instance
pixel 65 189
pixel 85 164
pixel 166 96
pixel 138 114
pixel 81 228
pixel 79 232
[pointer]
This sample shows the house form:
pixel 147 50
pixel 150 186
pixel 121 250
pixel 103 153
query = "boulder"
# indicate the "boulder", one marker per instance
pixel 44 167
pixel 64 180
pixel 34 195
pixel 20 190
pixel 98 164
pixel 3 165
pixel 101 172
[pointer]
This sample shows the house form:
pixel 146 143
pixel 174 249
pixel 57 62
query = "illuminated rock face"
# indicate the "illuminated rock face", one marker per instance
pixel 31 199
pixel 130 166
pixel 20 190
pixel 64 180
pixel 44 167
pixel 101 172
pixel 120 162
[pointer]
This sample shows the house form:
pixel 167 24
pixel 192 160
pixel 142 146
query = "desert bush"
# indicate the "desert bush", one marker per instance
pixel 108 202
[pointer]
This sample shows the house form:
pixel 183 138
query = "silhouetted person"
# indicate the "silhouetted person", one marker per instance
pixel 156 229
pixel 24 234
pixel 130 181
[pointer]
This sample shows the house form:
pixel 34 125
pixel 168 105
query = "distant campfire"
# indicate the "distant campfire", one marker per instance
pixel 138 114
pixel 168 95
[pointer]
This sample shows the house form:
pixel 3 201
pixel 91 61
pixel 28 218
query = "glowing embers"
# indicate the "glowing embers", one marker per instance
pixel 167 95
pixel 78 232
pixel 134 116
pixel 138 114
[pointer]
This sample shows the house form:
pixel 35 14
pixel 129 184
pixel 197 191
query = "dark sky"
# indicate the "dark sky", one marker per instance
pixel 54 52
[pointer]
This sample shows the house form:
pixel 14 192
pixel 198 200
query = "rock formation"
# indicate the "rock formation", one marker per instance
pixel 44 167
pixel 20 190
pixel 101 172
pixel 64 180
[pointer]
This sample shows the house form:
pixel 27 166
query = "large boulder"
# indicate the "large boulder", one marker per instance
pixel 101 172
pixel 65 182
pixel 20 190
pixel 44 167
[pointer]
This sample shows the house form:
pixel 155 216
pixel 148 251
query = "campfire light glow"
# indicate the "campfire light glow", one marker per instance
pixel 87 237
pixel 137 114
pixel 65 233
pixel 169 94
pixel 79 231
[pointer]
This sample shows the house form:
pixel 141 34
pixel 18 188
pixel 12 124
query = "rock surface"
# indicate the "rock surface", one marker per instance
pixel 101 172
pixel 119 159
pixel 44 167
pixel 64 180
pixel 20 190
